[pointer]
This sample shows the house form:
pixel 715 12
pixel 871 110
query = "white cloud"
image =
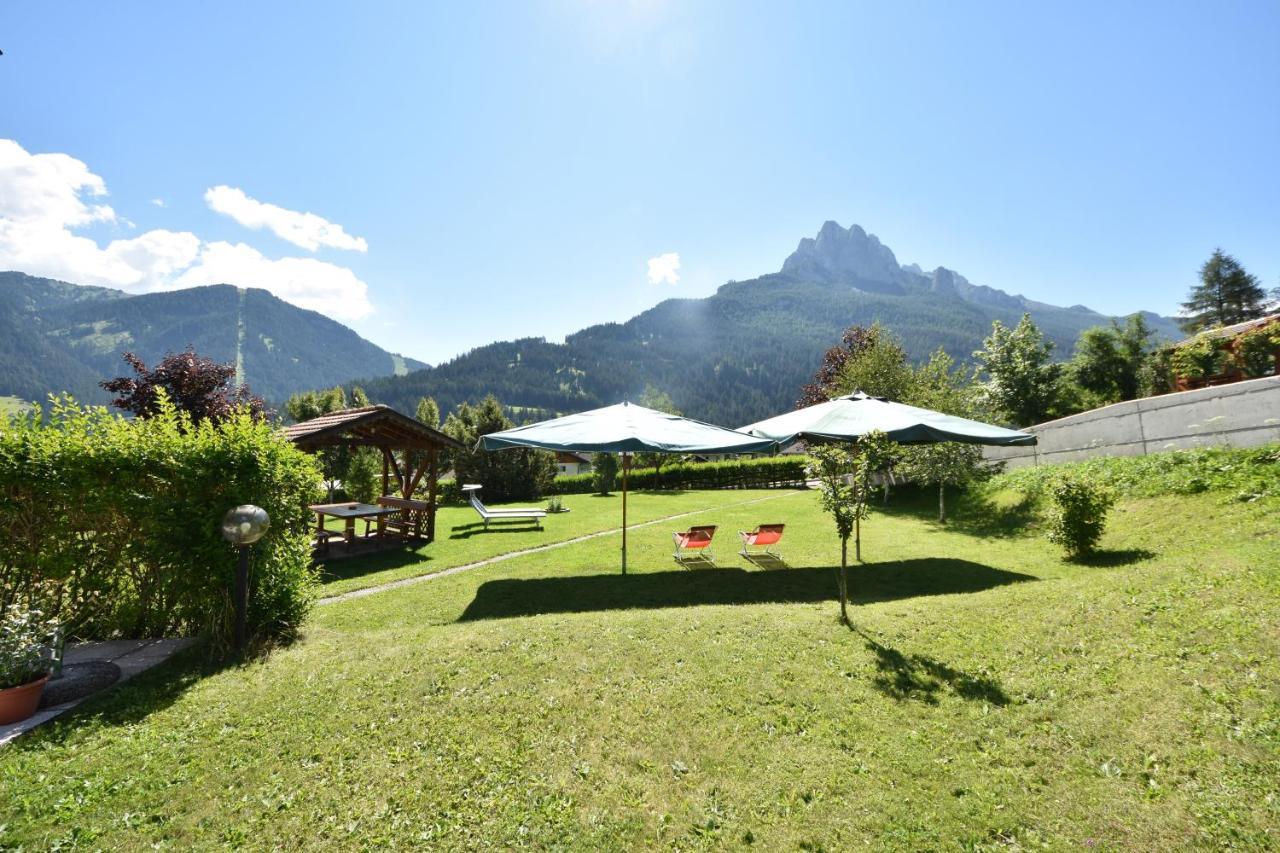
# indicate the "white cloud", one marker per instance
pixel 306 282
pixel 665 268
pixel 301 229
pixel 158 202
pixel 45 198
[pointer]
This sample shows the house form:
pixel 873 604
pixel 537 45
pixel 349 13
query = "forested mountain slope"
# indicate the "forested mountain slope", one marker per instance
pixel 56 336
pixel 743 353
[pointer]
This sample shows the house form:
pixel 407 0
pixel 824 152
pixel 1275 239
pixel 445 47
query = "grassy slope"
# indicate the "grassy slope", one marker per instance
pixel 461 538
pixel 991 695
pixel 12 405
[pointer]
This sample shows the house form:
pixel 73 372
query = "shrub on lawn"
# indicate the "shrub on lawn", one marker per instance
pixel 113 525
pixel 1077 513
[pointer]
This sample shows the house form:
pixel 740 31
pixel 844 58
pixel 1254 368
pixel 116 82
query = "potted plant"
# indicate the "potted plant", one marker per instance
pixel 24 665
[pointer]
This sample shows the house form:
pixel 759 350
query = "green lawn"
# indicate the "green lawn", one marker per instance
pixel 461 537
pixel 991 696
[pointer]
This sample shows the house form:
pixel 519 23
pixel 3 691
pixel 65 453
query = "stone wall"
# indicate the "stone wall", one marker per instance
pixel 1242 414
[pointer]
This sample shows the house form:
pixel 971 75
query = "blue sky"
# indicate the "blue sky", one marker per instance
pixel 488 171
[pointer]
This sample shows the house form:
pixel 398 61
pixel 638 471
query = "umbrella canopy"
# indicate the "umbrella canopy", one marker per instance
pixel 626 429
pixel 851 417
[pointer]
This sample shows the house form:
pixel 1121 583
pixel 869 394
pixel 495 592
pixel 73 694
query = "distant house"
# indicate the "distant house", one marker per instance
pixel 1247 350
pixel 568 464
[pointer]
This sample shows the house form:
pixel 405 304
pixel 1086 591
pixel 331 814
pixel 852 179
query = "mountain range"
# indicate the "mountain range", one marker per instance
pixel 736 356
pixel 56 336
pixel 743 353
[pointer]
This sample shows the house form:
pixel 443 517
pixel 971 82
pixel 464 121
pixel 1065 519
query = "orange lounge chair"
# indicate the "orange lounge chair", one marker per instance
pixel 695 539
pixel 764 538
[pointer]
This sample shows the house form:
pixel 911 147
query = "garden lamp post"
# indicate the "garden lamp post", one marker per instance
pixel 242 526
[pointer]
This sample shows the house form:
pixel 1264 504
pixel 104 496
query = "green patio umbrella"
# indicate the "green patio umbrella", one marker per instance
pixel 850 417
pixel 626 428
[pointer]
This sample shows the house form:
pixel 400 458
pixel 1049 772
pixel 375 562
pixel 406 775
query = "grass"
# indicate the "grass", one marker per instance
pixel 461 537
pixel 991 696
pixel 13 405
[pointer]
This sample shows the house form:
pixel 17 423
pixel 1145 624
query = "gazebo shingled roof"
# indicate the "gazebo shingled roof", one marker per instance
pixel 372 426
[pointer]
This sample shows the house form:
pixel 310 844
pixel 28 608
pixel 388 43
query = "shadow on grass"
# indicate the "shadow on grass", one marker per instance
pixel 1115 557
pixel 765 561
pixel 128 702
pixel 921 678
pixel 374 561
pixel 510 597
pixel 496 525
pixel 969 512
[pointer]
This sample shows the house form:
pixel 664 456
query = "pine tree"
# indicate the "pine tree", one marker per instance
pixel 1226 294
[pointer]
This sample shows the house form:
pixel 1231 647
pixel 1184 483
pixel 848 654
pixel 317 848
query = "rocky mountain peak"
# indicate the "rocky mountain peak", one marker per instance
pixel 845 255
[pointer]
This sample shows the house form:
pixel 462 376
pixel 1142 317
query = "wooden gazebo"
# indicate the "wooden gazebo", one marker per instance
pixel 417 444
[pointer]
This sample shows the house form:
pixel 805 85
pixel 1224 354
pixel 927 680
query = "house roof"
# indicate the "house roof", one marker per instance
pixel 376 426
pixel 1232 330
pixel 565 456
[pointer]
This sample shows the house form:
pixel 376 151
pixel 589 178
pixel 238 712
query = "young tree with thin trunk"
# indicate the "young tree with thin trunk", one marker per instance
pixel 844 473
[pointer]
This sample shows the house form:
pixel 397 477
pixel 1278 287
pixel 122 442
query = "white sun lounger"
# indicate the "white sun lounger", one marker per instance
pixel 472 491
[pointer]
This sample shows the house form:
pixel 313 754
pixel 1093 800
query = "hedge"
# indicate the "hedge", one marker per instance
pixel 113 524
pixel 763 473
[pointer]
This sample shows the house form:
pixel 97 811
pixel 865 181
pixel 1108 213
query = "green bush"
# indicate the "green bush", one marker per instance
pixel 1077 515
pixel 1255 350
pixel 113 524
pixel 1246 473
pixel 1200 358
pixel 763 473
pixel 604 472
pixel 24 634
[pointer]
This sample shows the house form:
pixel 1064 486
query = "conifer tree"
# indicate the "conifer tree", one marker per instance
pixel 1226 294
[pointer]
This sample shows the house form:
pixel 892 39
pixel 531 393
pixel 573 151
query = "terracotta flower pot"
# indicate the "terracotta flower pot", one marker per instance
pixel 18 703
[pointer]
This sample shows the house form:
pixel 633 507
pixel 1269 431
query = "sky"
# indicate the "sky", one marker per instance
pixel 440 176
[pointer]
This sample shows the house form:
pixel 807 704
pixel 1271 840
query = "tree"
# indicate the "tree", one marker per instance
pixel 941 386
pixel 1021 381
pixel 428 413
pixel 507 475
pixel 869 359
pixel 844 474
pixel 1109 360
pixel 199 386
pixel 659 401
pixel 1226 294
pixel 880 369
pixel 604 467
pixel 335 460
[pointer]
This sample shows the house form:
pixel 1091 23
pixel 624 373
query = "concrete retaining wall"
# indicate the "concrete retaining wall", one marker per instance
pixel 1243 414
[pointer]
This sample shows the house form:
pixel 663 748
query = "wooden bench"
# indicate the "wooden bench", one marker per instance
pixel 407 522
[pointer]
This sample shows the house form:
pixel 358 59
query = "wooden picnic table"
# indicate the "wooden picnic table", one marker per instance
pixel 349 512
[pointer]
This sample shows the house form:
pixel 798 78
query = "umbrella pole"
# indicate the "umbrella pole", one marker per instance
pixel 626 466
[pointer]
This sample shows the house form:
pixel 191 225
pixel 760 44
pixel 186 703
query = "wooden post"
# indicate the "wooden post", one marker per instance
pixel 386 470
pixel 626 466
pixel 431 495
